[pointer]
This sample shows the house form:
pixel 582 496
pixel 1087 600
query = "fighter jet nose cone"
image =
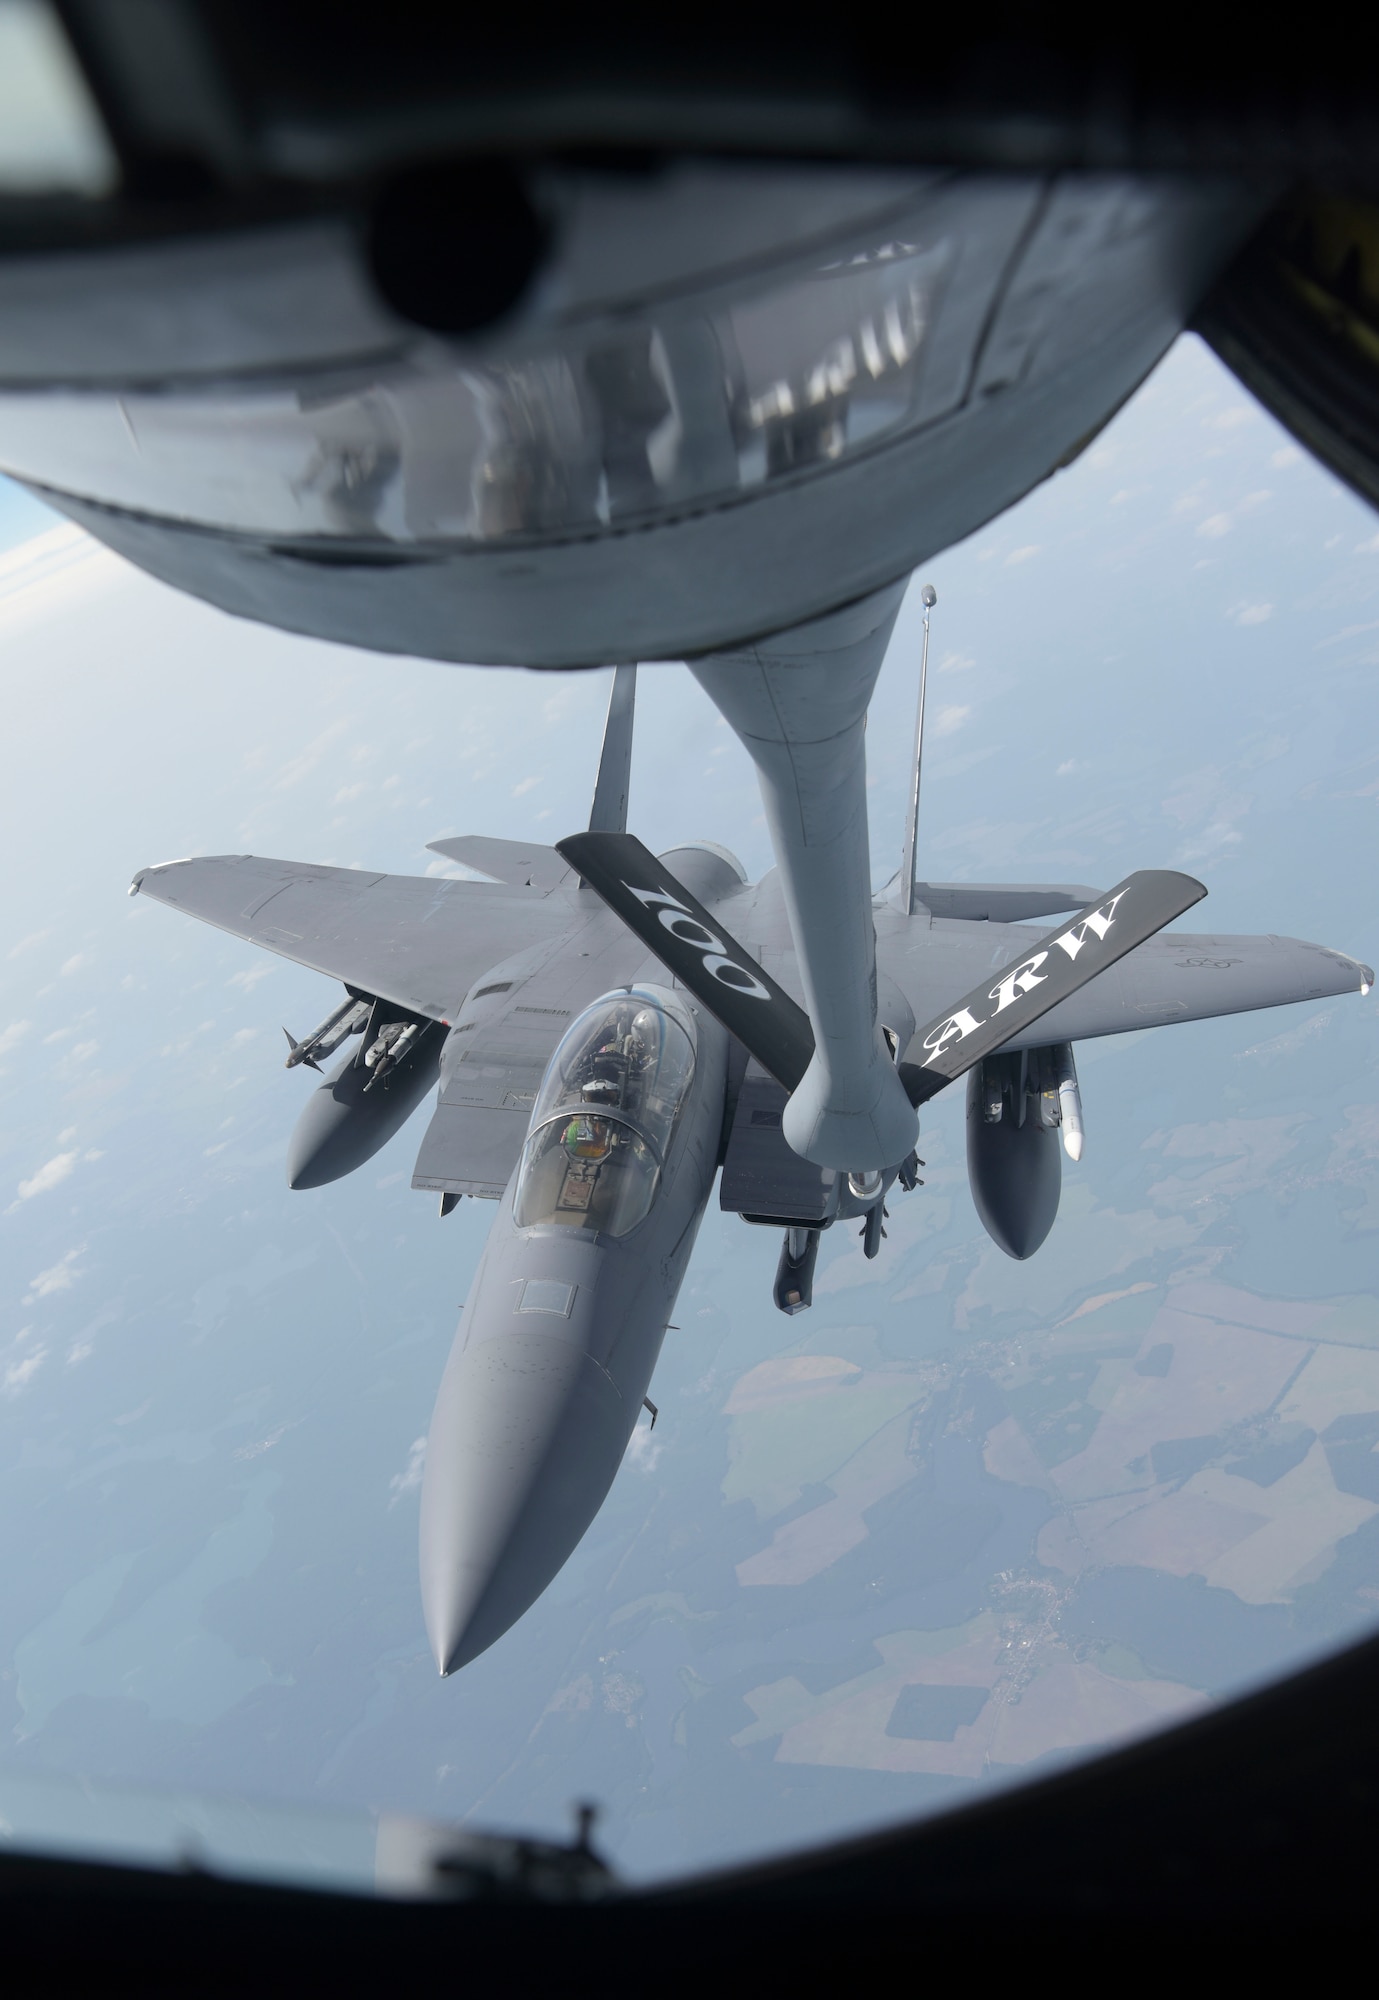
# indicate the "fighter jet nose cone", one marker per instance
pixel 527 1436
pixel 452 1602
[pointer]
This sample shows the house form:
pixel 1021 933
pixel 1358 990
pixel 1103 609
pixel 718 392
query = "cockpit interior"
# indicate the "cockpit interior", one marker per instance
pixel 605 1115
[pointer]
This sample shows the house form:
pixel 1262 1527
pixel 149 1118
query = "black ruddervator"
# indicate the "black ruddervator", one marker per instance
pixel 696 949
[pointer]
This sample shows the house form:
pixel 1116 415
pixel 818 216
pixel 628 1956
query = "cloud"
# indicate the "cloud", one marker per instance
pixel 1287 455
pixel 1022 555
pixel 348 792
pixel 84 1051
pixel 1252 614
pixel 297 768
pixel 242 1035
pixel 10 1037
pixel 955 663
pixel 73 964
pixel 19 1374
pixel 1227 420
pixel 1215 526
pixel 49 1175
pixel 56 566
pixel 527 785
pixel 643 1450
pixel 1211 842
pixel 262 1445
pixel 949 719
pixel 409 1479
pixel 1066 769
pixel 249 979
pixel 27 943
pixel 1289 1042
pixel 58 1277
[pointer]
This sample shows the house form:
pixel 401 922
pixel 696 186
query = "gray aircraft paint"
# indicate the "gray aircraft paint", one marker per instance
pixel 539 1399
pixel 533 1418
pixel 1176 976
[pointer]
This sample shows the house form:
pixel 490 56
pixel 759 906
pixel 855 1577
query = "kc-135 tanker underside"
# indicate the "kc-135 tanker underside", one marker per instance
pixel 610 1032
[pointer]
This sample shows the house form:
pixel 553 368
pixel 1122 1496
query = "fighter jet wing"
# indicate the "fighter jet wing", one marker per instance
pixel 1171 977
pixel 416 940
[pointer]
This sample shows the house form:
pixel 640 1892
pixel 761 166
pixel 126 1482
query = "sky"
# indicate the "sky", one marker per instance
pixel 214 1392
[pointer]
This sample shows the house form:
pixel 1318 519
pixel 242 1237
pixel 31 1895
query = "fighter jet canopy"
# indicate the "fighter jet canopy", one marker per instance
pixel 604 1117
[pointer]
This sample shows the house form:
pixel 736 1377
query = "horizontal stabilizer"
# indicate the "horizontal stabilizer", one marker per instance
pixel 523 864
pixel 1002 902
pixel 1049 971
pixel 696 949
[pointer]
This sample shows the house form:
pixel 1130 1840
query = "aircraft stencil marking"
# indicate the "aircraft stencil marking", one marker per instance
pixel 675 918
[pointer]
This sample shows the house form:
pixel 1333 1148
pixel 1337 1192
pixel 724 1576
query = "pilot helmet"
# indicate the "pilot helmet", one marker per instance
pixel 588 1138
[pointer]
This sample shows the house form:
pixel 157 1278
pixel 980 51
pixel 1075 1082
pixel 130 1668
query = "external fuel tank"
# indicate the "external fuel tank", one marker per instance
pixel 355 1112
pixel 1014 1161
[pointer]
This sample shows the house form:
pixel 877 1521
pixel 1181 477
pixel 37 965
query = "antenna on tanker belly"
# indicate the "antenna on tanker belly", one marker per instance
pixel 608 813
pixel 928 597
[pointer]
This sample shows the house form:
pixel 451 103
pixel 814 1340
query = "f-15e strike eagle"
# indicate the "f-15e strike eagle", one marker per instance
pixel 612 1031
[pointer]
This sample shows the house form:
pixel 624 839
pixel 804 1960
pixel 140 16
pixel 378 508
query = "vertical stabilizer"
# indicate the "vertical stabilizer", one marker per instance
pixel 608 814
pixel 928 598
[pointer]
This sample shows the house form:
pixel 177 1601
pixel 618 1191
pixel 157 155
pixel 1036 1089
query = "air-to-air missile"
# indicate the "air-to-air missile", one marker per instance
pixel 368 1096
